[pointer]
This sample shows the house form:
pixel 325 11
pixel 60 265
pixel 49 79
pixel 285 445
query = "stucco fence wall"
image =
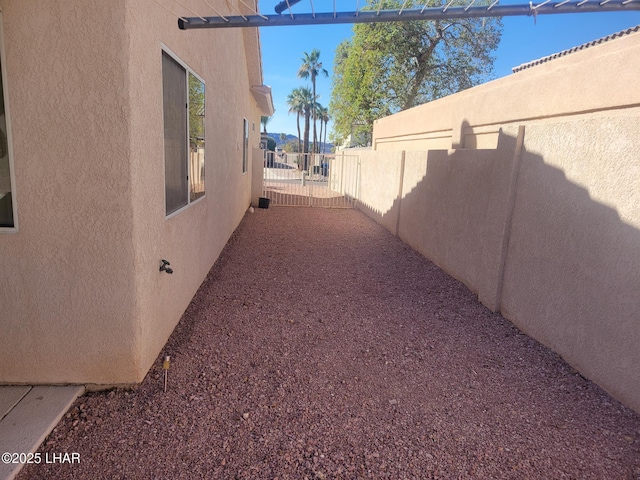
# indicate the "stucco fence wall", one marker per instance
pixel 542 221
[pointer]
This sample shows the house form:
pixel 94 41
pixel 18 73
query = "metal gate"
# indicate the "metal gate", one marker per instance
pixel 311 180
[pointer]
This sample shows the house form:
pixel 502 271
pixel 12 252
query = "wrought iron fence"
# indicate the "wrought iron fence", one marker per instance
pixel 313 180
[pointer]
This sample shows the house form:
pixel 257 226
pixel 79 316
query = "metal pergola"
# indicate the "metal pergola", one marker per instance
pixel 284 14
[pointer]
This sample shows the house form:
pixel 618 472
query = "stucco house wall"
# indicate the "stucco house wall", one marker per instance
pixel 82 297
pixel 527 189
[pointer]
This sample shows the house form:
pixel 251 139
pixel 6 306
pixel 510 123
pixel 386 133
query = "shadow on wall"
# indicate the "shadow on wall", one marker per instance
pixel 532 244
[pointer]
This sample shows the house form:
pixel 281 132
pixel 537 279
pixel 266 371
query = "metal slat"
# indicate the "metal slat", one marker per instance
pixel 437 13
pixel 331 181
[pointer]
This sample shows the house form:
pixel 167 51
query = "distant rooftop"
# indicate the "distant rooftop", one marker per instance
pixel 575 49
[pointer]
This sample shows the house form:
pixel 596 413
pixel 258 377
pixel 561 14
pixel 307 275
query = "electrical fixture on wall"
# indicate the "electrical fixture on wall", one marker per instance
pixel 164 267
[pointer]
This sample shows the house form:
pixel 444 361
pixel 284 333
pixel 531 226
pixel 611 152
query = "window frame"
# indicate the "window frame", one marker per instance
pixel 188 71
pixel 7 116
pixel 245 145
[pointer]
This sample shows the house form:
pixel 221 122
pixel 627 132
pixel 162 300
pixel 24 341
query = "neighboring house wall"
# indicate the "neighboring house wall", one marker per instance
pixel 527 189
pixel 82 297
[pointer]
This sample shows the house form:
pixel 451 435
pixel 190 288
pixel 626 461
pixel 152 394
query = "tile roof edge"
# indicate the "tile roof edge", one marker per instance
pixel 584 46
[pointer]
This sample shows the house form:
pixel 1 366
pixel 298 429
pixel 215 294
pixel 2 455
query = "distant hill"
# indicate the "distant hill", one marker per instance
pixel 289 138
pixel 279 143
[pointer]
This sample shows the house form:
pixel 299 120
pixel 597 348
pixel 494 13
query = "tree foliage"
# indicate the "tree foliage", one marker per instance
pixel 302 102
pixel 392 66
pixel 322 114
pixel 264 121
pixel 295 102
pixel 292 146
pixel 310 69
pixel 196 112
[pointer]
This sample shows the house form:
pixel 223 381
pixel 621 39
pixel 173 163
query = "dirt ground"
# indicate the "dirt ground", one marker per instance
pixel 322 347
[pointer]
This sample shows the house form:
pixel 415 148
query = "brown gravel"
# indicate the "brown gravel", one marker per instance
pixel 322 347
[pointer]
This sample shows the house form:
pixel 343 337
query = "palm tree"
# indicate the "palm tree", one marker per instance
pixel 316 118
pixel 323 115
pixel 294 100
pixel 308 106
pixel 326 127
pixel 312 67
pixel 264 120
pixel 319 110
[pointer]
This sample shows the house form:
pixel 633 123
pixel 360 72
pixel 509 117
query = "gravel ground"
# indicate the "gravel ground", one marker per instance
pixel 322 347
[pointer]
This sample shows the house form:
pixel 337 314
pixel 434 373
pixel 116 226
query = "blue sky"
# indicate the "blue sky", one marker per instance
pixel 523 40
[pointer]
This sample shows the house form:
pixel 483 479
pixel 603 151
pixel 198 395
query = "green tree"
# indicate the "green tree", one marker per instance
pixel 323 116
pixel 292 146
pixel 196 112
pixel 312 67
pixel 264 121
pixel 308 106
pixel 392 66
pixel 295 102
pixel 302 102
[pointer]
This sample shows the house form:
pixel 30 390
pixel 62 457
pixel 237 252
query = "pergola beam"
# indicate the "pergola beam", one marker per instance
pixel 437 13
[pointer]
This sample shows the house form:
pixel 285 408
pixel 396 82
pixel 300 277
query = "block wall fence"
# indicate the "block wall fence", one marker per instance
pixel 527 189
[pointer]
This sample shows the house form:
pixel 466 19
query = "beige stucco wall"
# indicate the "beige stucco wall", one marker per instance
pixel 527 189
pixel 82 298
pixel 573 84
pixel 192 239
pixel 65 276
pixel 380 177
pixel 453 210
pixel 572 273
pixel 257 175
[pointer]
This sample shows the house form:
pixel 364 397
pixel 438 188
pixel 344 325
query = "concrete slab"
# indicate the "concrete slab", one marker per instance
pixel 25 427
pixel 10 396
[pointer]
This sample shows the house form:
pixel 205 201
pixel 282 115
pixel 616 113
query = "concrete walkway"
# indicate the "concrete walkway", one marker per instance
pixel 27 416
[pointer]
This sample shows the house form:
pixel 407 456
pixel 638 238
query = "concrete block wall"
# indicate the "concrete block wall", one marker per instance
pixel 534 203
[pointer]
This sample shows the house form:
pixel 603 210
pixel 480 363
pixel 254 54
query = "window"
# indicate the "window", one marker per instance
pixel 196 137
pixel 184 120
pixel 7 203
pixel 245 144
